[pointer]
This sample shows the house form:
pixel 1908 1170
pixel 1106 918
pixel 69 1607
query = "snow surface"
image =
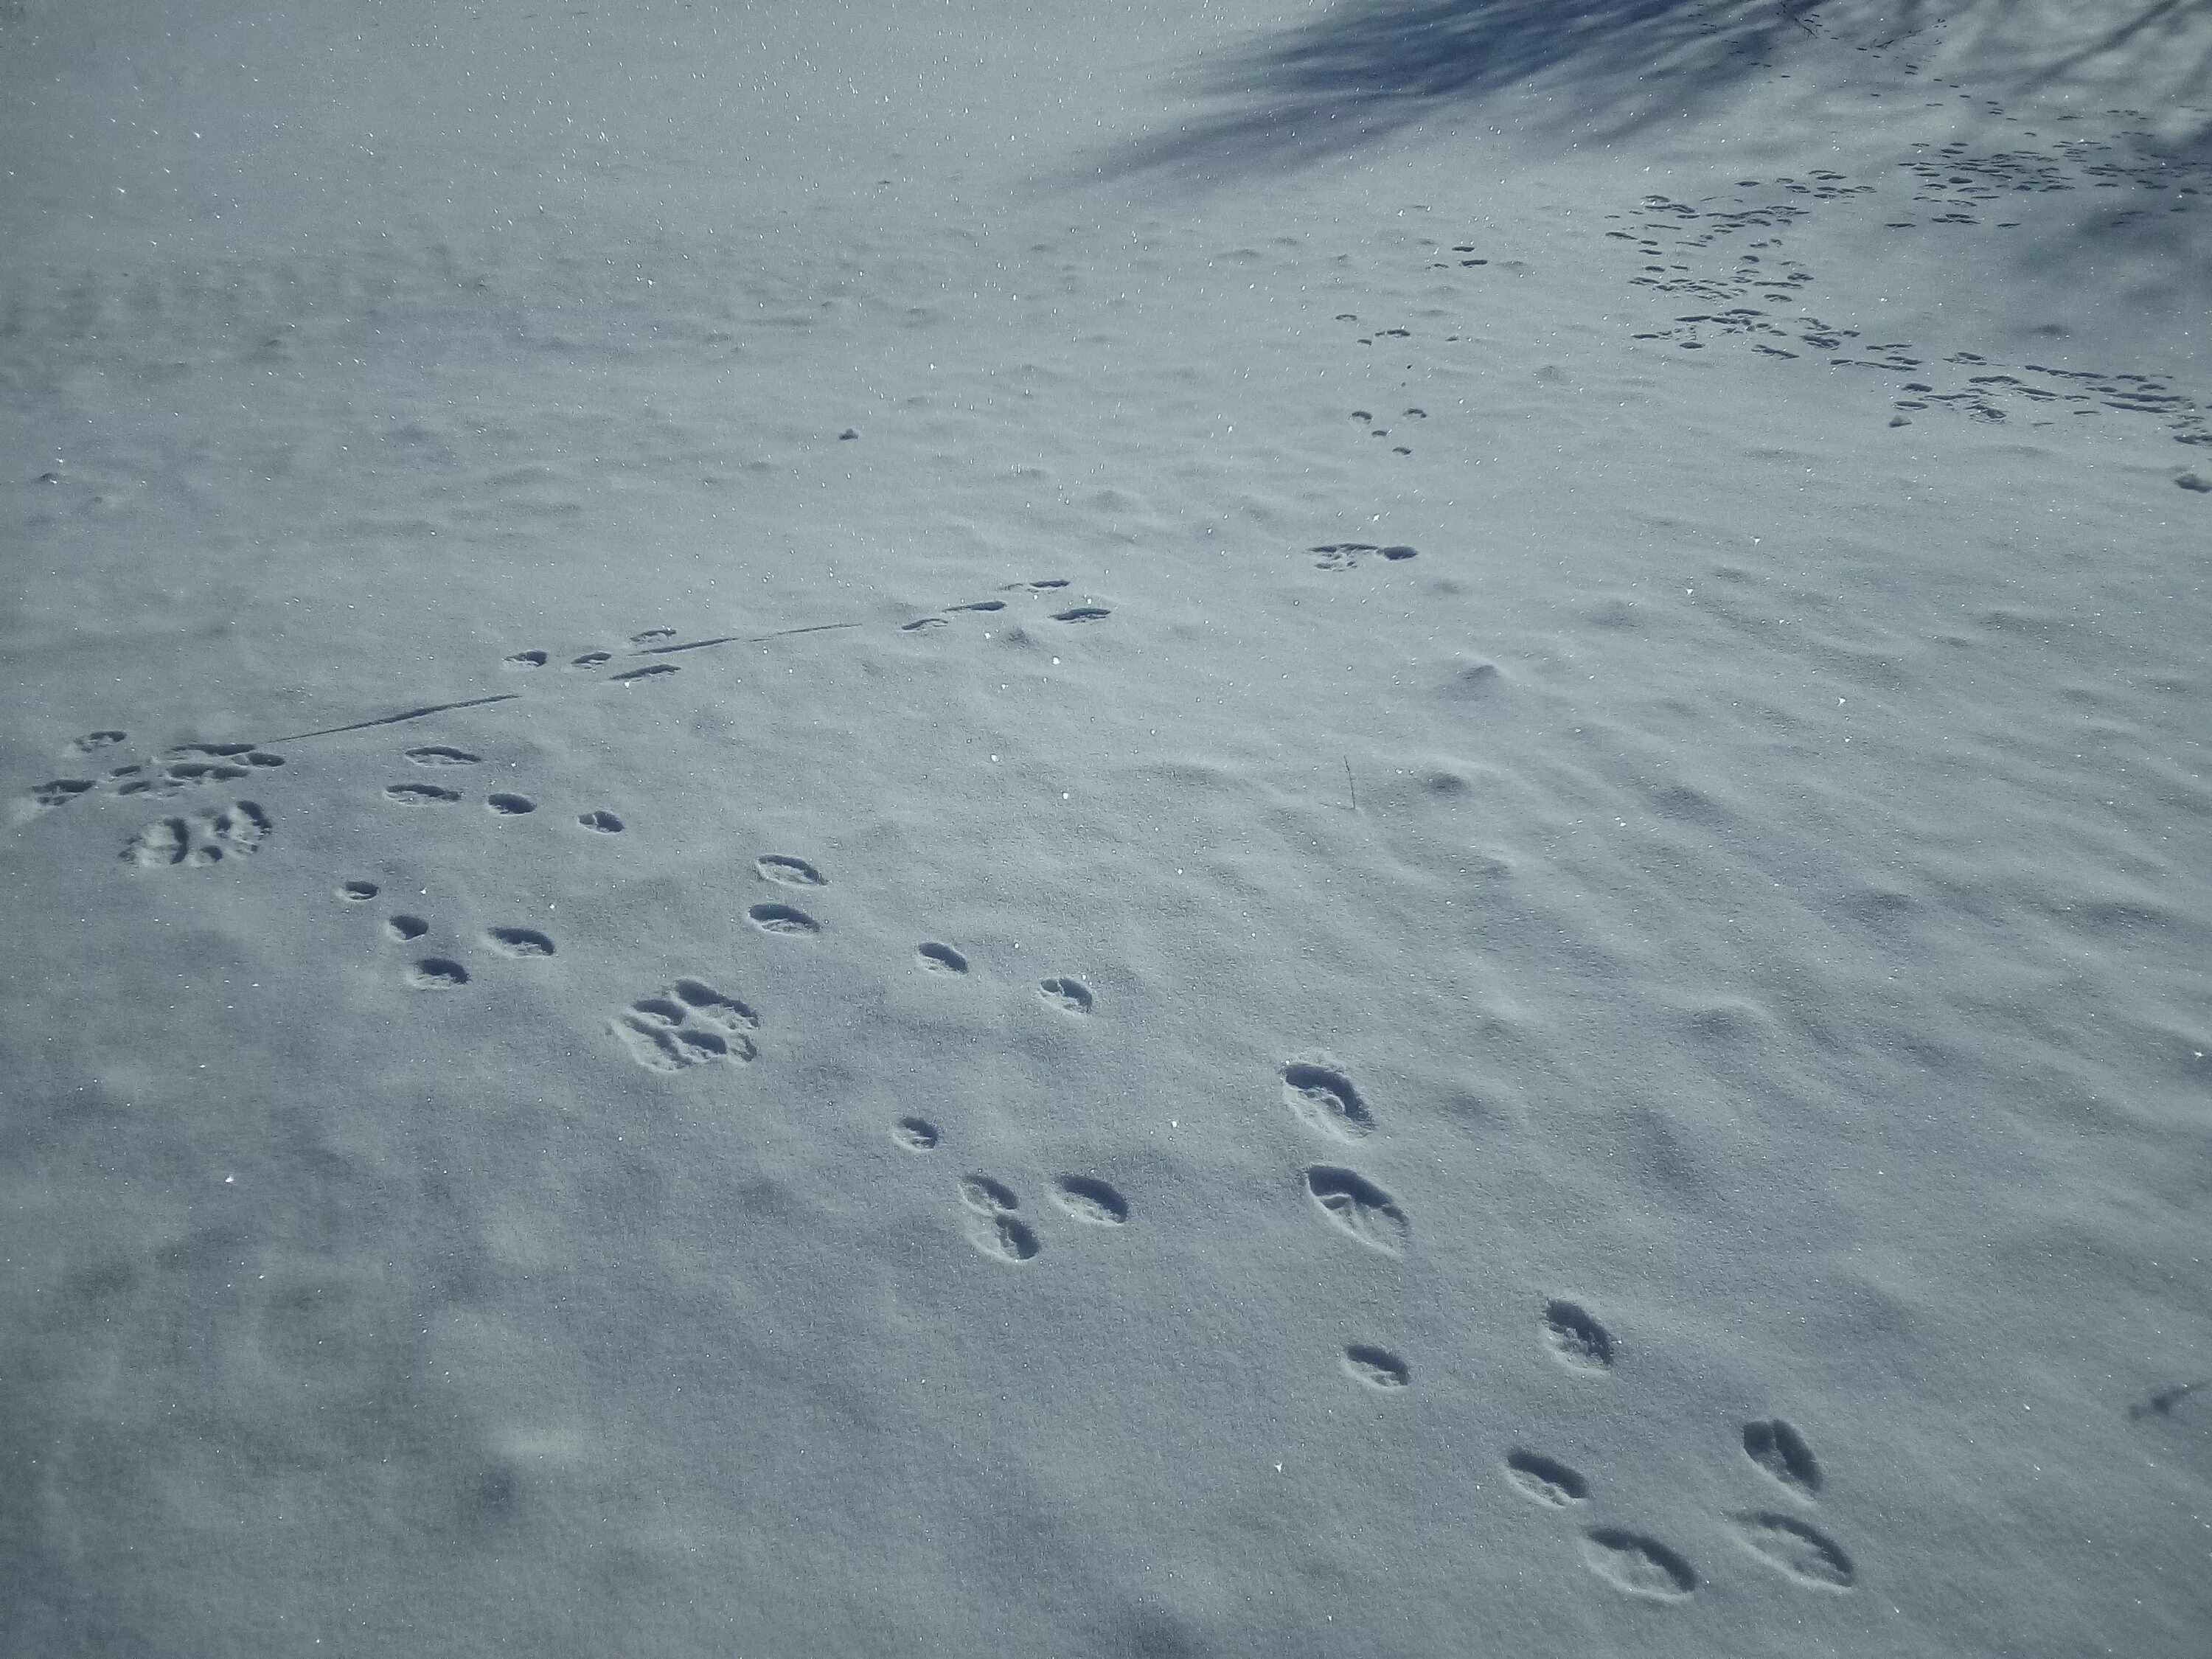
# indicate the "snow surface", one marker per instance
pixel 1428 869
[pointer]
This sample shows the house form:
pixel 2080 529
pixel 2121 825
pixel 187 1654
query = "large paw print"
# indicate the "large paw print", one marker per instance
pixel 689 1023
pixel 205 838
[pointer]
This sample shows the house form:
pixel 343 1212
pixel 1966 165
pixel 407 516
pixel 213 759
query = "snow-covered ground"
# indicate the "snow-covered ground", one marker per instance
pixel 861 828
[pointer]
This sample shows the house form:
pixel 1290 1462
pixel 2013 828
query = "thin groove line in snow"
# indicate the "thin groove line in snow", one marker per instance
pixel 509 696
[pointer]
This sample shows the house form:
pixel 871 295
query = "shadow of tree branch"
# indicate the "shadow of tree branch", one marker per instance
pixel 1370 69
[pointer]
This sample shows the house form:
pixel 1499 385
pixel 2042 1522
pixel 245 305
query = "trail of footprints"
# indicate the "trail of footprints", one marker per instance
pixel 197 839
pixel 1325 1101
pixel 1947 185
pixel 1730 253
pixel 445 973
pixel 1052 590
pixel 1638 1564
pixel 200 838
pixel 195 766
pixel 199 766
pixel 691 1023
pixel 517 944
pixel 680 1027
pixel 994 1223
pixel 193 839
pixel 688 1023
pixel 1966 382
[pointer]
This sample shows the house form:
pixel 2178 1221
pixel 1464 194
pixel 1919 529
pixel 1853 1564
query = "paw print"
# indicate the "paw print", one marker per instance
pixel 689 1023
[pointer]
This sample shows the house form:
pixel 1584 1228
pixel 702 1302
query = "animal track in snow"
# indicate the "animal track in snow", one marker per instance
pixel 437 973
pixel 60 791
pixel 1002 1236
pixel 1346 555
pixel 1091 1200
pixel 1637 1565
pixel 199 764
pixel 940 959
pixel 1954 177
pixel 929 625
pixel 782 921
pixel 1576 1340
pixel 1324 1099
pixel 400 929
pixel 510 806
pixel 689 1023
pixel 786 871
pixel 1546 1479
pixel 358 892
pixel 992 1225
pixel 1781 1451
pixel 421 794
pixel 916 1134
pixel 1791 1546
pixel 1073 614
pixel 2162 1403
pixel 1378 1368
pixel 518 942
pixel 605 823
pixel 1360 1207
pixel 236 831
pixel 987 1196
pixel 1069 995
pixel 192 766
